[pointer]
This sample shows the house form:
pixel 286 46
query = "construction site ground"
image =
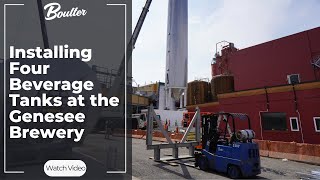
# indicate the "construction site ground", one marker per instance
pixel 145 168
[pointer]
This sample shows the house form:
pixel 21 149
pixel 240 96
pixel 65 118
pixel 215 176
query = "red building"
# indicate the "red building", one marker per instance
pixel 277 84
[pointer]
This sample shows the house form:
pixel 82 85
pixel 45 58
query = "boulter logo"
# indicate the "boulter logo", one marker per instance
pixel 54 11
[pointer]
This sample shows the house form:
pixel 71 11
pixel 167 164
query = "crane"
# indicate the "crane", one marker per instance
pixel 119 80
pixel 140 22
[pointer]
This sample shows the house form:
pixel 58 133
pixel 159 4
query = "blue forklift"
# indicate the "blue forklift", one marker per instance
pixel 227 150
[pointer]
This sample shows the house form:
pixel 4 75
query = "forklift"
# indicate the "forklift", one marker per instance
pixel 227 150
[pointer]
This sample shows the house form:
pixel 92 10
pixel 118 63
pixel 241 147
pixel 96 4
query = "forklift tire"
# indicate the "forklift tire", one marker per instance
pixel 203 163
pixel 234 172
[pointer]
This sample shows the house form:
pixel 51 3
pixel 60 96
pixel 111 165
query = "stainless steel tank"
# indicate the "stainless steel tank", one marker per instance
pixel 177 52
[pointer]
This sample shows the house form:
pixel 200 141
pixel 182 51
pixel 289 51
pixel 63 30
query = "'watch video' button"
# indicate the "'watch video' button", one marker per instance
pixel 65 168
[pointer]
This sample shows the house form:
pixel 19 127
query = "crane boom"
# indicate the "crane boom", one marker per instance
pixel 119 80
pixel 140 22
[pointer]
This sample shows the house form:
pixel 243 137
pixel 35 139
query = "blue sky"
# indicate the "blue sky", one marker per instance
pixel 243 22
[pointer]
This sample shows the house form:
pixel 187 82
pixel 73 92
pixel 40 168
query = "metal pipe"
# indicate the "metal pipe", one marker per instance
pixel 297 110
pixel 267 98
pixel 301 131
pixel 261 127
pixel 149 127
pixel 198 120
pixel 295 97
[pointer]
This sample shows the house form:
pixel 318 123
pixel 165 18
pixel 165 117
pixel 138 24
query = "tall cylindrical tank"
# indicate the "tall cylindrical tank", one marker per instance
pixel 198 92
pixel 222 84
pixel 177 51
pixel 162 101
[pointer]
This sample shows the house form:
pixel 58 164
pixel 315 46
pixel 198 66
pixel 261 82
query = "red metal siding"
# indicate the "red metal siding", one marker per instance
pixel 309 107
pixel 283 102
pixel 314 37
pixel 268 64
pixel 308 102
pixel 251 105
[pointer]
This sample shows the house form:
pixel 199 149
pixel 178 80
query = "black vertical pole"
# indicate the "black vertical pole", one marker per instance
pixel 43 25
pixel 267 98
pixel 295 97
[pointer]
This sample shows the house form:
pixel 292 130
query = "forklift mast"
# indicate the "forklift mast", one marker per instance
pixel 213 135
pixel 209 130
